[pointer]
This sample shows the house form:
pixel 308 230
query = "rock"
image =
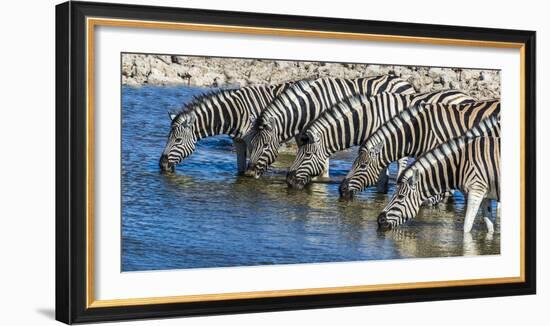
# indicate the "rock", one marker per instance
pixel 164 58
pixel 435 73
pixel 139 69
pixel 467 74
pixel 142 67
pixel 402 71
pixel 131 82
pixel 448 77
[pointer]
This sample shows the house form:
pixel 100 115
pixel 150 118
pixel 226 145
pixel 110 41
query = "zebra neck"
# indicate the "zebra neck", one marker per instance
pixel 333 145
pixel 283 136
pixel 437 178
pixel 429 190
pixel 225 118
pixel 312 99
pixel 407 134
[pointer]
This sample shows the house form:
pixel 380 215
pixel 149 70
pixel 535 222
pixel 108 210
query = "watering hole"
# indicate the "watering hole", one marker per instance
pixel 204 215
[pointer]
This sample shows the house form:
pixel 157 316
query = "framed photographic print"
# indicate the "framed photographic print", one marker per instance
pixel 214 162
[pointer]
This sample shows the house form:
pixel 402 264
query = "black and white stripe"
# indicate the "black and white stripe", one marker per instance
pixel 470 163
pixel 350 123
pixel 412 133
pixel 230 112
pixel 302 103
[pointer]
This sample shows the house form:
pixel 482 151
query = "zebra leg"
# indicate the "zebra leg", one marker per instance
pixel 240 148
pixel 325 173
pixel 474 200
pixel 486 215
pixel 382 183
pixel 469 247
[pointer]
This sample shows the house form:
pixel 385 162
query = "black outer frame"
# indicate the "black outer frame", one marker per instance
pixel 71 162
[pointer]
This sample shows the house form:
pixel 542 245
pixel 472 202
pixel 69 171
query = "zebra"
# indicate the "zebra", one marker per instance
pixel 300 104
pixel 410 134
pixel 469 163
pixel 349 123
pixel 230 112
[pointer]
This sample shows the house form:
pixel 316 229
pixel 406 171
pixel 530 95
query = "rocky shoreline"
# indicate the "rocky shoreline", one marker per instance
pixel 166 70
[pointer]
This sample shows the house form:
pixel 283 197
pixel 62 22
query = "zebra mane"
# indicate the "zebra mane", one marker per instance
pixel 305 81
pixel 336 111
pixel 280 100
pixel 399 119
pixel 489 126
pixel 346 105
pixel 351 101
pixel 198 100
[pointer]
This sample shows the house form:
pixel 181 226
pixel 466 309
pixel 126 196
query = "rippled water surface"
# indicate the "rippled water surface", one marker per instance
pixel 204 215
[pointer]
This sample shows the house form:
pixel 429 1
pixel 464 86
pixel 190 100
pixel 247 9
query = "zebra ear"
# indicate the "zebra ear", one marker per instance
pixel 172 115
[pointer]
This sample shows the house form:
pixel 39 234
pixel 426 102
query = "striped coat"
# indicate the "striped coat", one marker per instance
pixel 412 133
pixel 470 163
pixel 227 112
pixel 350 123
pixel 302 103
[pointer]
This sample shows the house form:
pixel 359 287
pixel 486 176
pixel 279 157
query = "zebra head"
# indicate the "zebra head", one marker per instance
pixel 309 162
pixel 364 171
pixel 405 202
pixel 181 141
pixel 264 147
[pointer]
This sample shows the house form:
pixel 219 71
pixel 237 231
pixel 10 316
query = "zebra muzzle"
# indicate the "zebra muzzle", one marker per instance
pixel 252 171
pixel 294 182
pixel 165 164
pixel 383 223
pixel 346 194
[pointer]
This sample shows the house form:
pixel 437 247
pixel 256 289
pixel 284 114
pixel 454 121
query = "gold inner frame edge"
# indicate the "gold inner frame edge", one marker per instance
pixel 91 22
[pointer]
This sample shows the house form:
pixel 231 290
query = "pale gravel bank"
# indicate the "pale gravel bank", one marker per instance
pixel 162 70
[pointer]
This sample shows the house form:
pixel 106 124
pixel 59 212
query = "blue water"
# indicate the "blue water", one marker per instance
pixel 204 215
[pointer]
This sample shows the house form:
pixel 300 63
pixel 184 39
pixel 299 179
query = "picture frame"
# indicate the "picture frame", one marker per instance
pixel 76 23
